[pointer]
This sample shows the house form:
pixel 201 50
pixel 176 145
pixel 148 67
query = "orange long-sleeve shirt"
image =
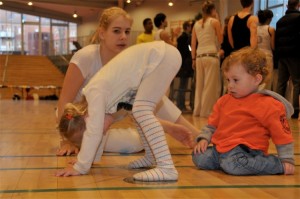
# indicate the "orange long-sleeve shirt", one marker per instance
pixel 251 121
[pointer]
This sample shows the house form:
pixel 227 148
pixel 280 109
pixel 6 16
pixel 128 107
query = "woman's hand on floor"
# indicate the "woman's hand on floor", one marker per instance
pixel 67 148
pixel 68 171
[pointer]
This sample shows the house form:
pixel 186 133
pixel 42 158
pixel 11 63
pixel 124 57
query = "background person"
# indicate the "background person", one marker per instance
pixel 242 27
pixel 206 40
pixel 186 69
pixel 266 42
pixel 161 23
pixel 148 34
pixel 287 44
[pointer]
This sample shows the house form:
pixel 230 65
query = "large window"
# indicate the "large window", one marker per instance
pixel 60 36
pixel 33 35
pixel 72 36
pixel 46 38
pixel 10 32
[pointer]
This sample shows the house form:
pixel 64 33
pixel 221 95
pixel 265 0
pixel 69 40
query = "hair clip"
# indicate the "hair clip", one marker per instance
pixel 69 116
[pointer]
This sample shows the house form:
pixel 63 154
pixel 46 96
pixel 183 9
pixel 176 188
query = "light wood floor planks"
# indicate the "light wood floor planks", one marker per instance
pixel 28 141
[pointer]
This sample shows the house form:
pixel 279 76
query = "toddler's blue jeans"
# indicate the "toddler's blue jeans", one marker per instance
pixel 241 160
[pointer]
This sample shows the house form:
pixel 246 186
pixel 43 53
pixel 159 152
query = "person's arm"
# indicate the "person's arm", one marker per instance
pixel 252 25
pixel 96 97
pixel 218 30
pixel 174 123
pixel 229 31
pixel 93 134
pixel 206 133
pixel 71 85
pixel 172 40
pixel 194 47
pixel 286 155
pixel 272 34
pixel 182 131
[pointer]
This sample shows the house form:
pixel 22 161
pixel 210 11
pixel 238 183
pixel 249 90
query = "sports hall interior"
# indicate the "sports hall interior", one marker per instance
pixel 30 87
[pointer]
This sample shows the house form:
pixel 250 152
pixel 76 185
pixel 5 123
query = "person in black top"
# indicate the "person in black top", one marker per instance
pixel 186 71
pixel 287 46
pixel 226 48
pixel 242 27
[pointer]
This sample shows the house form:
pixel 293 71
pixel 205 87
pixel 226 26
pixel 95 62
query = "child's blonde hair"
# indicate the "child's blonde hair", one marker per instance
pixel 252 59
pixel 107 16
pixel 72 119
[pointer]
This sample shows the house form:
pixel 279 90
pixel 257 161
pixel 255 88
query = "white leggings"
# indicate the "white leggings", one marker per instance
pixel 154 86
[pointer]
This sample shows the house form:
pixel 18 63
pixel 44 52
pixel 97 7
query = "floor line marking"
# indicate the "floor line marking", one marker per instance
pixel 150 188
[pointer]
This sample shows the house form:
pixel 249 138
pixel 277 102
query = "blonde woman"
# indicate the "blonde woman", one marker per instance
pixel 207 32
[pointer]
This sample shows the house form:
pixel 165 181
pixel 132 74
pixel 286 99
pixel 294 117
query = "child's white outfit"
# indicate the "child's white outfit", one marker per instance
pixel 139 75
pixel 89 62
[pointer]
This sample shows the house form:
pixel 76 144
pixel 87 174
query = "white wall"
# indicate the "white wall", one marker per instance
pixel 234 6
pixel 181 11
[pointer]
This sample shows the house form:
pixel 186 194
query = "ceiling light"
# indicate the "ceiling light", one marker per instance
pixel 128 1
pixel 1 3
pixel 75 14
pixel 170 3
pixel 30 3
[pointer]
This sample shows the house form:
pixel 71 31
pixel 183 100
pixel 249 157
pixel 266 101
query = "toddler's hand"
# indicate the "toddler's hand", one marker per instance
pixel 201 146
pixel 289 168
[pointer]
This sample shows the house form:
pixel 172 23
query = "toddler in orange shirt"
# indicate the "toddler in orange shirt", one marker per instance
pixel 243 122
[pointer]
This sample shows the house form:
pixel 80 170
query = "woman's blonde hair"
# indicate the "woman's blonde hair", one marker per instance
pixel 252 59
pixel 207 8
pixel 72 119
pixel 107 16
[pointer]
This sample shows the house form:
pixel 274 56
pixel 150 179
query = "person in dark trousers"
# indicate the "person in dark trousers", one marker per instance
pixel 186 70
pixel 287 45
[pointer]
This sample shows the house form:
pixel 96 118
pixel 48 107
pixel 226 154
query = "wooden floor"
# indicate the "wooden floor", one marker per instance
pixel 28 141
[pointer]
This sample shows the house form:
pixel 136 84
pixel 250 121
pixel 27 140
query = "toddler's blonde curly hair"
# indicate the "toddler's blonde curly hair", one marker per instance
pixel 252 59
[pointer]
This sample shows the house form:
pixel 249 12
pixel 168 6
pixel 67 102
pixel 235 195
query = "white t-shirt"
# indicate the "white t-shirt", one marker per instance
pixel 89 62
